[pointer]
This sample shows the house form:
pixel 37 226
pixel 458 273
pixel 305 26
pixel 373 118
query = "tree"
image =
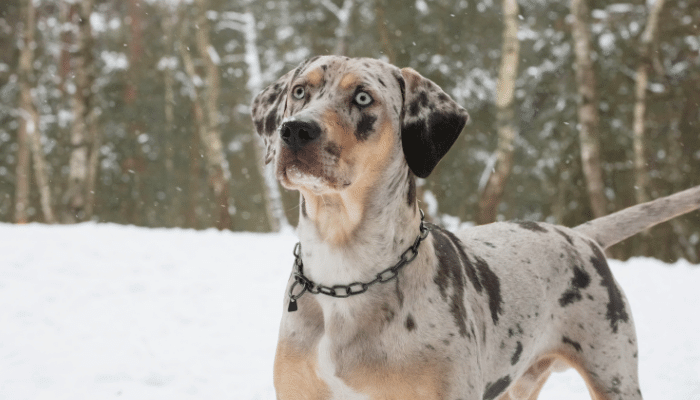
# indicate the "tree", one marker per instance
pixel 245 23
pixel 343 14
pixel 78 198
pixel 641 179
pixel 588 119
pixel 168 64
pixel 207 115
pixel 29 130
pixel 505 118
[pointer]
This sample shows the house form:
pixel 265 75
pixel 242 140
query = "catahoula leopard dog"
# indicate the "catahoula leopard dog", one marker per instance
pixel 383 306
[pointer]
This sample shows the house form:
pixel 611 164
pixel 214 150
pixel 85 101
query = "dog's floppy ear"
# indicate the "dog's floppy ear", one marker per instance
pixel 431 122
pixel 268 110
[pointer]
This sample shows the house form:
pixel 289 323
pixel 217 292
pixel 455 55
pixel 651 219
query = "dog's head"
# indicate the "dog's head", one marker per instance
pixel 335 121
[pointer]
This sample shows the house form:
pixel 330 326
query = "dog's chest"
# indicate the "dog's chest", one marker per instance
pixel 355 364
pixel 317 376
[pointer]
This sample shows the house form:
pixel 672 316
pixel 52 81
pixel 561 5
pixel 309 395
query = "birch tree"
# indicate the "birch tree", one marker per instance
pixel 29 128
pixel 505 116
pixel 206 110
pixel 84 128
pixel 383 30
pixel 343 13
pixel 274 208
pixel 588 119
pixel 648 37
pixel 167 65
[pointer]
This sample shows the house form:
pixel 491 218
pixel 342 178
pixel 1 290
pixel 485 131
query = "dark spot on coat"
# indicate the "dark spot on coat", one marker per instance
pixel 410 323
pixel 492 284
pixel 333 149
pixel 324 67
pixel 574 344
pixel 516 355
pixel 469 268
pixel 581 279
pixel 420 101
pixel 260 126
pixel 272 97
pixel 493 389
pixel 565 235
pixel 449 273
pixel 388 312
pixel 303 208
pixel 381 82
pixel 365 126
pixel 616 305
pixel 572 294
pixel 531 226
pixel 399 293
pixel 402 84
pixel 411 195
pixel 271 122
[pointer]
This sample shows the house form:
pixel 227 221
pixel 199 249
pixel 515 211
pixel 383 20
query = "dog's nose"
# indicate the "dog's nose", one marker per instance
pixel 297 134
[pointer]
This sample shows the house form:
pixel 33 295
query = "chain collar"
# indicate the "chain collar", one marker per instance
pixel 343 291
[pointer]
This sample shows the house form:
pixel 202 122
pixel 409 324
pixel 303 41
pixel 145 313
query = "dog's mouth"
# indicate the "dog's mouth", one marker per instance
pixel 296 179
pixel 320 174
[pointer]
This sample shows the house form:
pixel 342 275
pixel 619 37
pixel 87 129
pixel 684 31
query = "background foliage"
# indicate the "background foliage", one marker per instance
pixel 457 44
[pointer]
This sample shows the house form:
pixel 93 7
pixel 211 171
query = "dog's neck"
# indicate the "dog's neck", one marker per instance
pixel 351 236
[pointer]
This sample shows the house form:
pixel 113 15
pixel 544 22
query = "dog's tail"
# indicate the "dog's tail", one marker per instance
pixel 618 226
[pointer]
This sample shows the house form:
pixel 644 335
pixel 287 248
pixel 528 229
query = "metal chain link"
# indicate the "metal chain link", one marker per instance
pixel 355 288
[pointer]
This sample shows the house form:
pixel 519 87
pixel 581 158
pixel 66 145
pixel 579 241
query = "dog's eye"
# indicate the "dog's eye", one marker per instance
pixel 363 99
pixel 298 92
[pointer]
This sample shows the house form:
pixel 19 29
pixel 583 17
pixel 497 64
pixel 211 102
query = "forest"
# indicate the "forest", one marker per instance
pixel 138 112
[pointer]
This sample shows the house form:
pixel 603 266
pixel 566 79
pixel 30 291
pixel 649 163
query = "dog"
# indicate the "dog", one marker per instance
pixel 383 306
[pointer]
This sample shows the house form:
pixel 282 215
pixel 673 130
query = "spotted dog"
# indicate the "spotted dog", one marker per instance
pixel 382 306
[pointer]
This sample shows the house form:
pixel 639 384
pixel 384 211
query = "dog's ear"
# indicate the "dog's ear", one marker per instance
pixel 431 122
pixel 268 110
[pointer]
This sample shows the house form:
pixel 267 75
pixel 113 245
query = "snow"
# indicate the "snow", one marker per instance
pixel 97 311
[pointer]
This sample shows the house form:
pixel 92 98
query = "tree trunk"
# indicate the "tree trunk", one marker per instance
pixel 219 173
pixel 272 197
pixel 505 118
pixel 193 180
pixel 642 79
pixel 22 175
pixel 29 121
pixel 83 131
pixel 22 170
pixel 207 117
pixel 342 32
pixel 380 10
pixel 172 198
pixel 588 119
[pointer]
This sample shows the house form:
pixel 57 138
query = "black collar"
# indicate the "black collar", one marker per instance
pixel 343 291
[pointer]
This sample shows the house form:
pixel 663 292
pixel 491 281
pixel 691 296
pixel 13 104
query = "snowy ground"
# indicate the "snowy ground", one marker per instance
pixel 106 311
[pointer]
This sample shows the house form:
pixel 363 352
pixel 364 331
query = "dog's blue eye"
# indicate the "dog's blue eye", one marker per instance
pixel 298 92
pixel 363 99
